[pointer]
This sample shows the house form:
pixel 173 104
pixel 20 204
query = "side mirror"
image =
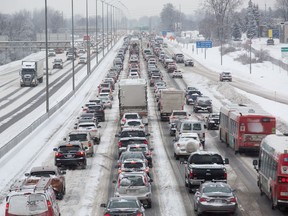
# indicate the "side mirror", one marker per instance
pixel 98 126
pixel 103 205
pixel 226 161
pixel 64 139
pixel 116 135
pixel 255 162
pixel 75 127
pixel 63 172
pixel 148 134
pixel 150 180
pixel 27 174
pixel 151 149
pixel 55 149
pixel 114 181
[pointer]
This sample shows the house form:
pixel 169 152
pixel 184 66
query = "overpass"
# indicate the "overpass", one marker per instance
pixel 34 44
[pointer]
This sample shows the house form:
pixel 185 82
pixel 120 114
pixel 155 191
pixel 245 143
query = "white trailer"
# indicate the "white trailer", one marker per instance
pixel 170 99
pixel 133 97
pixel 31 72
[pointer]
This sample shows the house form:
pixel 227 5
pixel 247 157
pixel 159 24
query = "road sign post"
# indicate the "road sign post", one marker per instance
pixel 204 44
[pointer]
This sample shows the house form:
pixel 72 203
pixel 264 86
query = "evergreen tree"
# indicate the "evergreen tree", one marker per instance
pixel 236 31
pixel 252 29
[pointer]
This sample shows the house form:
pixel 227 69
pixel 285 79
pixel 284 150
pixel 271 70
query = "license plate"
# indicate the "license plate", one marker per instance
pixel 284 193
pixel 217 201
pixel 69 156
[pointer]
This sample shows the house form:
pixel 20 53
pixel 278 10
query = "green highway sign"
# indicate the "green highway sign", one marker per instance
pixel 284 49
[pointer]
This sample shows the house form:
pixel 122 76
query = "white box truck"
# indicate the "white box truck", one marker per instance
pixel 133 97
pixel 170 99
pixel 31 72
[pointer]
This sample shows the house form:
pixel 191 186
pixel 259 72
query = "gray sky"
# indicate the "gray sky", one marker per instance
pixel 136 8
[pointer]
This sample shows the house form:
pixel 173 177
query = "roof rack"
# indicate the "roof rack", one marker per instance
pixel 36 184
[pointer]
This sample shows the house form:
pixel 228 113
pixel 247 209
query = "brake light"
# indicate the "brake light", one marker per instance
pixel 145 142
pixel 233 200
pixel 225 175
pixel 48 203
pixel 81 153
pixel 191 174
pixel 7 205
pixel 89 144
pixel 139 214
pixel 120 144
pixel 107 214
pixel 58 154
pixel 147 169
pixel 202 199
pixel 283 179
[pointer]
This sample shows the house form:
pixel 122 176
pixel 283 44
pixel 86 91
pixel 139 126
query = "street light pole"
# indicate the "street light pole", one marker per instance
pixel 73 48
pixel 107 25
pixel 87 40
pixel 250 54
pixel 96 38
pixel 47 69
pixel 103 27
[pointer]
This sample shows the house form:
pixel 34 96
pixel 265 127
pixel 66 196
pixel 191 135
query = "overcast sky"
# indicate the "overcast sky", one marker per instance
pixel 136 8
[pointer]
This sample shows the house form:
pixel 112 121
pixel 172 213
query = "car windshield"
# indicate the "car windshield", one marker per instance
pixel 127 204
pixel 76 137
pixel 133 133
pixel 133 165
pixel 206 159
pixel 86 125
pixel 28 204
pixel 216 189
pixel 43 173
pixel 128 181
pixel 72 148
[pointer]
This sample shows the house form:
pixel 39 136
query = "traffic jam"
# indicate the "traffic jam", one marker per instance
pixel 146 85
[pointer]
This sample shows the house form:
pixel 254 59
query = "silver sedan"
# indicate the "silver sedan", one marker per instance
pixel 215 197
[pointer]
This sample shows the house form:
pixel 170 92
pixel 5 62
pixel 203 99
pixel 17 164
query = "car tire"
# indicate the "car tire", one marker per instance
pixel 149 205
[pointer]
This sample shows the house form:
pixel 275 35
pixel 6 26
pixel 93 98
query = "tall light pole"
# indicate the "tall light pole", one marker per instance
pixel 107 25
pixel 47 69
pixel 87 40
pixel 103 26
pixel 96 38
pixel 73 48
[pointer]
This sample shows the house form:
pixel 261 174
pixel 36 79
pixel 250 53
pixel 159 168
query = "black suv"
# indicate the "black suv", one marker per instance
pixel 191 96
pixel 212 121
pixel 203 103
pixel 98 110
pixel 70 154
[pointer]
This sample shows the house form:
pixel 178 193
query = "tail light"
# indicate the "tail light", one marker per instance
pixel 120 144
pixel 191 174
pixel 147 169
pixel 145 142
pixel 48 203
pixel 58 154
pixel 107 214
pixel 7 205
pixel 233 200
pixel 225 175
pixel 81 153
pixel 89 144
pixel 139 214
pixel 202 199
pixel 282 179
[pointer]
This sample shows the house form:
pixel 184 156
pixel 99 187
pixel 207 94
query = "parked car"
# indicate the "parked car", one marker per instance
pixel 215 197
pixel 123 205
pixel 58 182
pixel 135 184
pixel 189 62
pixel 225 76
pixel 70 154
pixel 32 196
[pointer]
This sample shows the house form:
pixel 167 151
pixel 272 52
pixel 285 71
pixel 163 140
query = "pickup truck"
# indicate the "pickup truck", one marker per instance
pixel 204 166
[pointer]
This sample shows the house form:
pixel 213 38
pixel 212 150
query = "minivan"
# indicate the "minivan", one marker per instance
pixel 192 126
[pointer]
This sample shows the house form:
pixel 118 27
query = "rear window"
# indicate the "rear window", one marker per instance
pixel 131 155
pixel 132 165
pixel 217 188
pixel 179 113
pixel 43 173
pixel 72 148
pixel 206 159
pixel 125 204
pixel 76 137
pixel 28 204
pixel 134 123
pixel 133 134
pixel 137 149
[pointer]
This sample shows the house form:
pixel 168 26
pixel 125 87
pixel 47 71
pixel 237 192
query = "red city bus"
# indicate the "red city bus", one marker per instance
pixel 273 169
pixel 243 127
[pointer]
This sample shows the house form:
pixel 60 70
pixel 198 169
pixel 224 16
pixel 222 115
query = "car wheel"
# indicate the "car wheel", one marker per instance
pixel 176 156
pixel 149 205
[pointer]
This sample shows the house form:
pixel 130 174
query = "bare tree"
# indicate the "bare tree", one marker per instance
pixel 282 6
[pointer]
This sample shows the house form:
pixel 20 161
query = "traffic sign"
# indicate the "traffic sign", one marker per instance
pixel 203 44
pixel 284 52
